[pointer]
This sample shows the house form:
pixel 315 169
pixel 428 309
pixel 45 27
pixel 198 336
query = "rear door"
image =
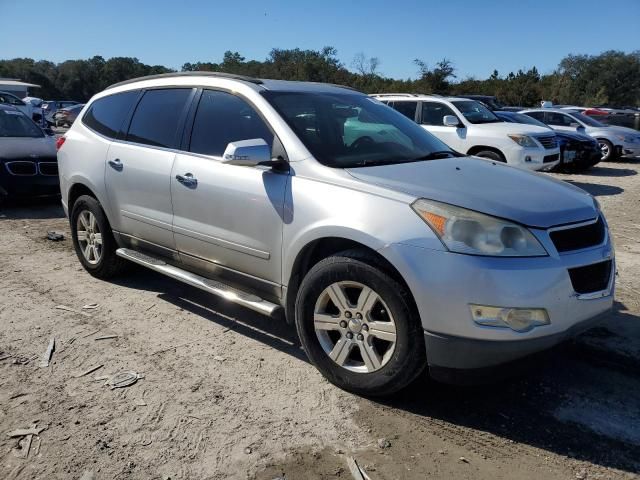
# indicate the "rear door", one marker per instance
pixel 139 166
pixel 227 218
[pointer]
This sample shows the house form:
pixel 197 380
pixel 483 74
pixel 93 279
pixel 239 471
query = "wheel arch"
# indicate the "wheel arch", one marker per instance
pixel 478 148
pixel 323 247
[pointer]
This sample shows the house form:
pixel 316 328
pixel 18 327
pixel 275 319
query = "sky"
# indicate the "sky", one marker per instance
pixel 478 36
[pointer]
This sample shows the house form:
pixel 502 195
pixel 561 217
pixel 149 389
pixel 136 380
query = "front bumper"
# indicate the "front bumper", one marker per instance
pixel 444 284
pixel 532 158
pixel 31 185
pixel 629 149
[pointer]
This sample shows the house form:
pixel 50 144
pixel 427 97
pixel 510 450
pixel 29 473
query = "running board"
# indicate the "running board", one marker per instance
pixel 219 289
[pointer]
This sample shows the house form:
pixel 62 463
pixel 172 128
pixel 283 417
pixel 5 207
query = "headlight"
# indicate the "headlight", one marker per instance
pixel 466 231
pixel 626 138
pixel 524 140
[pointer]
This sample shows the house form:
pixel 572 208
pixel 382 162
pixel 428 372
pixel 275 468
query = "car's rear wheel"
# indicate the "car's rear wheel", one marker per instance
pixel 491 155
pixel 607 150
pixel 93 239
pixel 358 325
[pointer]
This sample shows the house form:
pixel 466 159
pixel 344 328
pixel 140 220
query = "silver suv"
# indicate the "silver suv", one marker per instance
pixel 387 250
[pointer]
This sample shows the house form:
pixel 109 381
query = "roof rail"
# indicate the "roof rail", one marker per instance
pixel 393 95
pixel 244 78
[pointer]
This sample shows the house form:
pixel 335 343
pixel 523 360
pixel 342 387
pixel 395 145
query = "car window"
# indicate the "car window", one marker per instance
pixel 155 120
pixel 475 112
pixel 223 118
pixel 107 114
pixel 537 116
pixel 353 130
pixel 14 123
pixel 559 119
pixel 11 100
pixel 434 112
pixel 408 109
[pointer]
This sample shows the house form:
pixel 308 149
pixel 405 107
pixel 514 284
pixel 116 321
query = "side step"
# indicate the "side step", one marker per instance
pixel 219 289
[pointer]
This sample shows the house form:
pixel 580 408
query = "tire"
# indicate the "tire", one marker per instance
pixel 93 239
pixel 386 350
pixel 607 149
pixel 491 155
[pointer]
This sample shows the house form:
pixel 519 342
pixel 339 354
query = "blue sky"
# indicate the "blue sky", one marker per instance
pixel 477 36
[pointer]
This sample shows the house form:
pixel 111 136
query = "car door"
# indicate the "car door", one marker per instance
pixel 432 116
pixel 228 219
pixel 561 122
pixel 138 169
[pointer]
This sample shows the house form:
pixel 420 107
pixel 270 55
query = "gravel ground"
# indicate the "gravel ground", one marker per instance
pixel 229 394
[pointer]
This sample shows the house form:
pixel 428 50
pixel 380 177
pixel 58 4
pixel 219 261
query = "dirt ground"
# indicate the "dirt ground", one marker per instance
pixel 229 394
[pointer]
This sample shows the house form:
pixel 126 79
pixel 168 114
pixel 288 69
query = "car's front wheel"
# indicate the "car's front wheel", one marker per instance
pixel 607 149
pixel 358 325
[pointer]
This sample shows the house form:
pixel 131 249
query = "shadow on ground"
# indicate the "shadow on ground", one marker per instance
pixel 31 209
pixel 597 189
pixel 574 401
pixel 600 171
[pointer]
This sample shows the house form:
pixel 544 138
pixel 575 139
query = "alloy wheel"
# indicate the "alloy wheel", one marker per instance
pixel 355 327
pixel 89 237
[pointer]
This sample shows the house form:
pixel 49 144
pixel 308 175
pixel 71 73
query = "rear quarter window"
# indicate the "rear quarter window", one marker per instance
pixel 107 114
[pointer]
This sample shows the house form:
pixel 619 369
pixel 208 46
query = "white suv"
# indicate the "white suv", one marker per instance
pixel 469 127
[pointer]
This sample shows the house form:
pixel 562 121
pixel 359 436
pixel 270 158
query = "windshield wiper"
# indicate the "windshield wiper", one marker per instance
pixel 435 156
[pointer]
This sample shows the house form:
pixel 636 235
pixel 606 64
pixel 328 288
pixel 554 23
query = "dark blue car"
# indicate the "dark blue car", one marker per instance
pixel 577 151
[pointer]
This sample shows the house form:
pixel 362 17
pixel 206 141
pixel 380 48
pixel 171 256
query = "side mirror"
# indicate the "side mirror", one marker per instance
pixel 247 153
pixel 576 125
pixel 450 121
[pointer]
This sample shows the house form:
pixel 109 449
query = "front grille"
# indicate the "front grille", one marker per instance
pixel 577 238
pixel 48 168
pixel 21 168
pixel 592 278
pixel 548 141
pixel 550 158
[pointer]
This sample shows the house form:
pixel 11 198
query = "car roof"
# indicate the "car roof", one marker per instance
pixel 418 96
pixel 553 110
pixel 255 83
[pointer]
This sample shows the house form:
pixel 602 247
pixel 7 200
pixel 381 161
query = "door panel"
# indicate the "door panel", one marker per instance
pixel 432 117
pixel 139 191
pixel 232 217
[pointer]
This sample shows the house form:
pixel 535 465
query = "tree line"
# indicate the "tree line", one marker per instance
pixel 610 78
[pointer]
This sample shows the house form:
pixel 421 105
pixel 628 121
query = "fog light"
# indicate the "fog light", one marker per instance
pixel 527 158
pixel 517 319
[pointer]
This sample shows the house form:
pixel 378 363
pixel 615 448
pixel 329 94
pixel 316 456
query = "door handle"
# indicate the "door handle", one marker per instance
pixel 116 164
pixel 188 180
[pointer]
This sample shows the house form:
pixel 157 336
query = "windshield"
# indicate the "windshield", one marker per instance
pixel 352 130
pixel 587 120
pixel 475 112
pixel 14 124
pixel 522 118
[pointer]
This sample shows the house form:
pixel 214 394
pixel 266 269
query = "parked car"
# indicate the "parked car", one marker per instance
pixel 28 164
pixel 66 116
pixel 386 249
pixel 469 127
pixel 50 107
pixel 614 141
pixel 7 98
pixel 491 103
pixel 578 152
pixel 36 108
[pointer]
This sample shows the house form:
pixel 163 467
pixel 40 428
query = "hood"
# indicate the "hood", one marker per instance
pixel 24 147
pixel 580 137
pixel 613 129
pixel 505 128
pixel 493 188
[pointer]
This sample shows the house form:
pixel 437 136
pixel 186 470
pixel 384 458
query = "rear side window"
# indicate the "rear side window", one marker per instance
pixel 537 116
pixel 408 109
pixel 106 114
pixel 155 121
pixel 223 118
